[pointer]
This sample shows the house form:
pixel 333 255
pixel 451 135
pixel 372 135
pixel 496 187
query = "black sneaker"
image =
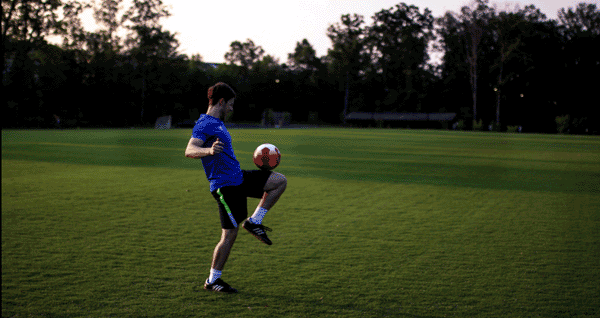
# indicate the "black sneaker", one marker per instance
pixel 219 286
pixel 258 230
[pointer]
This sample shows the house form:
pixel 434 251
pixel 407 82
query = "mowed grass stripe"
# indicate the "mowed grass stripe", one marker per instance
pixel 423 154
pixel 509 158
pixel 58 144
pixel 374 153
pixel 393 152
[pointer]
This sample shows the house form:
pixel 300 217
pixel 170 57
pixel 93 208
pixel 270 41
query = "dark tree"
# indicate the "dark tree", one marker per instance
pixel 347 58
pixel 398 40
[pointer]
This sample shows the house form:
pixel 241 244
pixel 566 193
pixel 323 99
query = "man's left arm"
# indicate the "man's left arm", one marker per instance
pixel 196 151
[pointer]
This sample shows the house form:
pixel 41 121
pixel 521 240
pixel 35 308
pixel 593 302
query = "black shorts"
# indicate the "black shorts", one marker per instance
pixel 232 200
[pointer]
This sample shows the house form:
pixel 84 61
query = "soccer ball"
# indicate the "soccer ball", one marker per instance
pixel 267 157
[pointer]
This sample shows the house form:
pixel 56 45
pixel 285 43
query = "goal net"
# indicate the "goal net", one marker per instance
pixel 163 122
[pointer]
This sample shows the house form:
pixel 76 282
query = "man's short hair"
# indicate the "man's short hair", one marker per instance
pixel 218 91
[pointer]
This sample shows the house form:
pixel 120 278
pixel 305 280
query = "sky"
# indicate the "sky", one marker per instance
pixel 208 27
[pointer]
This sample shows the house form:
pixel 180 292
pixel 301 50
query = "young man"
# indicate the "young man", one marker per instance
pixel 229 184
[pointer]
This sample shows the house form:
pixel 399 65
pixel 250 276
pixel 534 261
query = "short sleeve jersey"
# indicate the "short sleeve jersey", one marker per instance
pixel 222 169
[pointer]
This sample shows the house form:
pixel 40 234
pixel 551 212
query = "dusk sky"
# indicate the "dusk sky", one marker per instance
pixel 209 27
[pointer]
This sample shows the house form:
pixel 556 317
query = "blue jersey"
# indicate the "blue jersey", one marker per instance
pixel 222 169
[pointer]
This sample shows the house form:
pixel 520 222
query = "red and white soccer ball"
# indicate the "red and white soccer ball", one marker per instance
pixel 267 157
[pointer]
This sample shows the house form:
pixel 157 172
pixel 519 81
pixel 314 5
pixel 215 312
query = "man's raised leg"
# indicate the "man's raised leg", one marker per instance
pixel 274 188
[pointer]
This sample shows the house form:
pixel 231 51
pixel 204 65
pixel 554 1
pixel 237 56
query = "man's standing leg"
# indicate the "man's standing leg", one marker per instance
pixel 220 255
pixel 223 248
pixel 232 208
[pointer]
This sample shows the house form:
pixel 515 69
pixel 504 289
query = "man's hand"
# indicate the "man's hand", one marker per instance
pixel 216 148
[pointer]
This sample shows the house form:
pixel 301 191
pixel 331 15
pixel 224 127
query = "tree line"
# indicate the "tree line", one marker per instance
pixel 500 68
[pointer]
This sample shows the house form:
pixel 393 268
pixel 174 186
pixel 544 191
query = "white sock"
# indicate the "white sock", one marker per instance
pixel 214 275
pixel 258 216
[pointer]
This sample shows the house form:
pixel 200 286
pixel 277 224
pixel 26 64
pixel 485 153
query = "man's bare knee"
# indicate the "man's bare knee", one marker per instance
pixel 282 182
pixel 276 181
pixel 229 235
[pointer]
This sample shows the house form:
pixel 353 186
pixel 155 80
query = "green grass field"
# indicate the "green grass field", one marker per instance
pixel 374 223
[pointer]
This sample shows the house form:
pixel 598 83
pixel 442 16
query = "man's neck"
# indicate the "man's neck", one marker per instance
pixel 214 112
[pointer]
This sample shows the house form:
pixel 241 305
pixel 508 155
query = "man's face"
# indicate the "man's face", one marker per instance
pixel 229 106
pixel 228 109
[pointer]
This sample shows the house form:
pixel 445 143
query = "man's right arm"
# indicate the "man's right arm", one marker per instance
pixel 195 150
